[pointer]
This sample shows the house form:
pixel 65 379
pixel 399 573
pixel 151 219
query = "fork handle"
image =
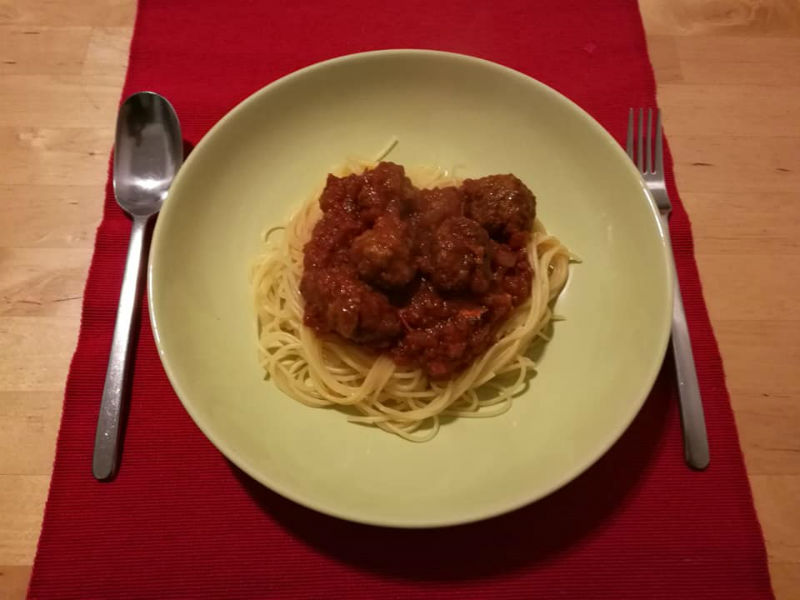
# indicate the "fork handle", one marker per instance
pixel 695 438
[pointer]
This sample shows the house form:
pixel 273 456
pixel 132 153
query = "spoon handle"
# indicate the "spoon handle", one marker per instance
pixel 107 438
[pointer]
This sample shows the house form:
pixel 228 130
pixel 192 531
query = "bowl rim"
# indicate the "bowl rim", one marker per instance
pixel 464 517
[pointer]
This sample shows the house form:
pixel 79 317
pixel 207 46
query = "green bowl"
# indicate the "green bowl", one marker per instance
pixel 270 153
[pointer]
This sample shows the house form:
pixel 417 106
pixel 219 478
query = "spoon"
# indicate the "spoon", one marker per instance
pixel 148 150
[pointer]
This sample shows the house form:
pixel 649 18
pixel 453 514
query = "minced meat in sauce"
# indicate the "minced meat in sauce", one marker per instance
pixel 427 276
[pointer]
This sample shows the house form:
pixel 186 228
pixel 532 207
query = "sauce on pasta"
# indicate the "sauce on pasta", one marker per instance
pixel 404 295
pixel 424 276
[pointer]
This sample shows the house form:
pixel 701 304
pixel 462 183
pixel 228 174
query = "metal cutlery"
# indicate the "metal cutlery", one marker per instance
pixel 148 151
pixel 648 154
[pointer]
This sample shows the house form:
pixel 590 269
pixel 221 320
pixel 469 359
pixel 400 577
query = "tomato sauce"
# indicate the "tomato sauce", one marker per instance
pixel 426 276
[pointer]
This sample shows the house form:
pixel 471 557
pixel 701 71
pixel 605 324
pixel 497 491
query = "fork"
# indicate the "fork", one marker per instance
pixel 695 439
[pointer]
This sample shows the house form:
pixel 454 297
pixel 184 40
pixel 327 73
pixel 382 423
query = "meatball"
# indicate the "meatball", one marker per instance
pixel 502 204
pixel 341 193
pixel 435 205
pixel 336 301
pixel 382 255
pixel 432 207
pixel 460 257
pixel 332 235
pixel 385 189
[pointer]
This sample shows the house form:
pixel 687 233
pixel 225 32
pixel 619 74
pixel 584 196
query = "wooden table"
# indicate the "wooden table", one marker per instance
pixel 728 75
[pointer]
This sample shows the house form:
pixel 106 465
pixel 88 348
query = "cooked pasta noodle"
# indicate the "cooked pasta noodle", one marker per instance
pixel 336 373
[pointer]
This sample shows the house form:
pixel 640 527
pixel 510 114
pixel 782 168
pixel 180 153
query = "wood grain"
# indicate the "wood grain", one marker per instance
pixel 51 50
pixel 62 67
pixel 728 82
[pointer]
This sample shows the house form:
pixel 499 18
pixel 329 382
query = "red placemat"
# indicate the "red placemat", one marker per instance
pixel 180 521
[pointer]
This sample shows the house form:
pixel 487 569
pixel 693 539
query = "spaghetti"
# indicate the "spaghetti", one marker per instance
pixel 329 372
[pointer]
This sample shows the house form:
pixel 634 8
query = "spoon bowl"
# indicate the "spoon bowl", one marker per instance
pixel 147 153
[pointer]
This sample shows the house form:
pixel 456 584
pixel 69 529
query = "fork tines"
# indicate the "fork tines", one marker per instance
pixel 644 148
